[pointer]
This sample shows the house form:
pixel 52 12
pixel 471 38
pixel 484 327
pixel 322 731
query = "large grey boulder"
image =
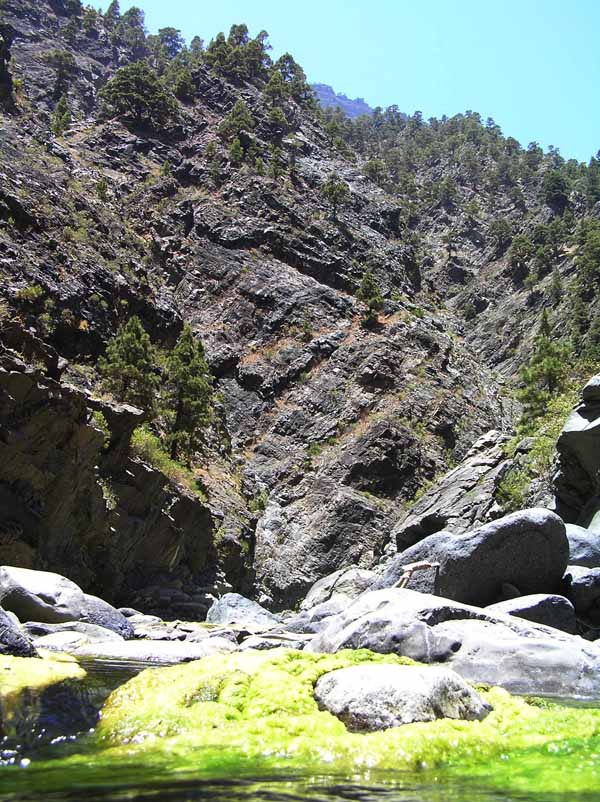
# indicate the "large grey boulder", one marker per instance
pixel 39 595
pixel 582 587
pixel 584 546
pixel 498 649
pixel 528 549
pixel 12 640
pixel 376 697
pixel 541 608
pixel 52 599
pixel 232 608
pixel 343 585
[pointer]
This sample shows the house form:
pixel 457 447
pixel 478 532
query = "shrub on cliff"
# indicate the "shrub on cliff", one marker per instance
pixel 136 93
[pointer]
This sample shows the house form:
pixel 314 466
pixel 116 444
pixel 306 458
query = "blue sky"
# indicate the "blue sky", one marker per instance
pixel 532 65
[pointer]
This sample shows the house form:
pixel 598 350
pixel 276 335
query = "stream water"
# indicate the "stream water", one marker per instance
pixel 42 771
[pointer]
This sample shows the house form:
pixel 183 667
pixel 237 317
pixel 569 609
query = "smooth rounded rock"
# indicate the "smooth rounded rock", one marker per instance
pixel 582 587
pixel 528 549
pixel 53 599
pixel 232 608
pixel 376 697
pixel 541 608
pixel 39 595
pixel 584 546
pixel 591 391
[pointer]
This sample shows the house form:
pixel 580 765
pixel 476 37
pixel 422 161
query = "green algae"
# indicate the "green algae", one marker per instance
pixel 259 707
pixel 253 714
pixel 26 684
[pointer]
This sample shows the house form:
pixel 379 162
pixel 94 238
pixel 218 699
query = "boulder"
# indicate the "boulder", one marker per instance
pixel 582 587
pixel 541 608
pixel 235 609
pixel 12 640
pixel 584 546
pixel 52 599
pixel 528 549
pixel 345 584
pixel 520 656
pixel 376 697
pixel 39 595
pixel 98 612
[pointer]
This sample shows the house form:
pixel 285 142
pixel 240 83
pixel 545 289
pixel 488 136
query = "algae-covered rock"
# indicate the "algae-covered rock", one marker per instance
pixel 41 696
pixel 257 709
pixel 369 698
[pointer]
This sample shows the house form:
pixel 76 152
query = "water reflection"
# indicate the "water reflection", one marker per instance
pixel 283 789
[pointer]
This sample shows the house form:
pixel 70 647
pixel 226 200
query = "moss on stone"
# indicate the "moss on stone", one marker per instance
pixel 259 707
pixel 24 685
pixel 31 673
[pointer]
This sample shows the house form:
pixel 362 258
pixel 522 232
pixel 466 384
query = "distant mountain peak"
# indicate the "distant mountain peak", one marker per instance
pixel 328 98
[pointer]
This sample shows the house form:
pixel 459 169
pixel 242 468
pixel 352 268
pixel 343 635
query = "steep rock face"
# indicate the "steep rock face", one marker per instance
pixel 461 498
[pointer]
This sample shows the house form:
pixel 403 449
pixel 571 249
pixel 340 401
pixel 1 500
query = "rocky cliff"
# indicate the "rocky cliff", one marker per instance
pixel 325 429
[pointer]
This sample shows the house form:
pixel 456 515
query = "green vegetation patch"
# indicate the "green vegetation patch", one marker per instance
pixel 259 708
pixel 24 682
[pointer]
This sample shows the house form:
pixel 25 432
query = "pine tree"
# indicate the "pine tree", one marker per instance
pixel 61 117
pixel 112 15
pixel 556 288
pixel 275 162
pixel 544 375
pixel 519 254
pixel 370 293
pixel 128 369
pixel 580 319
pixel 501 233
pixel 136 92
pixel 592 341
pixel 236 152
pixel 276 90
pixel 336 191
pixel 239 119
pixel 187 395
